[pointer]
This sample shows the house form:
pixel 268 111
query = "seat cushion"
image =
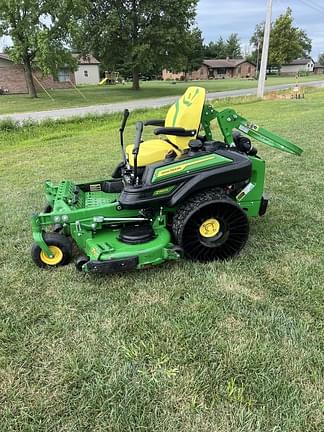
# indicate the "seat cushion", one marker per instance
pixel 150 151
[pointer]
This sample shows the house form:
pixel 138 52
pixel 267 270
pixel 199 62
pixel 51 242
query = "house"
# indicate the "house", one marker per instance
pixel 226 68
pixel 302 65
pixel 216 69
pixel 12 75
pixel 318 69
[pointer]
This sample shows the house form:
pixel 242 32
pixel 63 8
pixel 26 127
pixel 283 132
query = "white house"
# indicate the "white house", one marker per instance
pixel 297 66
pixel 88 70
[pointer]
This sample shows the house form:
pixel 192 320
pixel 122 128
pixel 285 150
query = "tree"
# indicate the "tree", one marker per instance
pixel 40 31
pixel 140 33
pixel 215 50
pixel 321 59
pixel 286 41
pixel 221 49
pixel 257 42
pixel 192 52
pixel 233 46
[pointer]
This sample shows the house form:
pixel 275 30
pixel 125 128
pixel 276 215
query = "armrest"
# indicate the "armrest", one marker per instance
pixel 176 131
pixel 154 123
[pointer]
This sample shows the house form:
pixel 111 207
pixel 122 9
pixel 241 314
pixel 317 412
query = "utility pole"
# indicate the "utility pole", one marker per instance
pixel 265 50
pixel 258 58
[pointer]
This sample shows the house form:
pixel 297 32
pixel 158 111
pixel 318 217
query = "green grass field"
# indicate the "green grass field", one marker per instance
pixel 120 93
pixel 223 347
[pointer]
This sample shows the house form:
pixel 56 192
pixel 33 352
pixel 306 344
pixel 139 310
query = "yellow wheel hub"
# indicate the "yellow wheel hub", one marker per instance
pixel 209 228
pixel 57 256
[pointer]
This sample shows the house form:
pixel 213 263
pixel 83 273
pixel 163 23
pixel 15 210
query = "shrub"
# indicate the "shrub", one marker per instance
pixel 8 125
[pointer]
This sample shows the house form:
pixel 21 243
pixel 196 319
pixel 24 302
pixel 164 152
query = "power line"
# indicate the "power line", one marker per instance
pixel 312 5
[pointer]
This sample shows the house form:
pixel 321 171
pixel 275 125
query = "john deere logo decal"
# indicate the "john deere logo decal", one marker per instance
pixel 186 101
pixel 188 166
pixel 182 167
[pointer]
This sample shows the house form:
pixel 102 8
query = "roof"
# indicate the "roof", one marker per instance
pixel 88 59
pixel 224 63
pixel 299 62
pixel 318 65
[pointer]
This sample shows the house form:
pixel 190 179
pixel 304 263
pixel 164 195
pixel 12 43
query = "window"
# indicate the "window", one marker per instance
pixel 63 75
pixel 85 73
pixel 221 71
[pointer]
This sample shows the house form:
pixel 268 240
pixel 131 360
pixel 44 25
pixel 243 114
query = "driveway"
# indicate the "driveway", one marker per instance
pixel 139 104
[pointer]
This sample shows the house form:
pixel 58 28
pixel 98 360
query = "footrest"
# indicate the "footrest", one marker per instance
pixel 112 266
pixel 98 199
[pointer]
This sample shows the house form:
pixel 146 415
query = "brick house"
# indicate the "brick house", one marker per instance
pixel 12 76
pixel 216 69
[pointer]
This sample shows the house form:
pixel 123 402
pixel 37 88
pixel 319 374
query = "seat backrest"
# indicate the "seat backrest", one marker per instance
pixel 186 113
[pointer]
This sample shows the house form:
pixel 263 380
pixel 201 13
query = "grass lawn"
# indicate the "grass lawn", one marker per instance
pixel 223 347
pixel 107 94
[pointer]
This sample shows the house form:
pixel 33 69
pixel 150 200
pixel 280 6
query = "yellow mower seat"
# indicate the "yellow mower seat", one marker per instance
pixel 185 113
pixel 150 151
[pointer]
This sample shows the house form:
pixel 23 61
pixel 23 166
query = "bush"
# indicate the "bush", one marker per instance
pixel 8 125
pixel 303 73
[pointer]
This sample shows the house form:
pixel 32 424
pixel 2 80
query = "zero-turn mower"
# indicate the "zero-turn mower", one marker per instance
pixel 180 194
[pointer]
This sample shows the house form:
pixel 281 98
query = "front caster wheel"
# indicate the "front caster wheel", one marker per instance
pixel 60 246
pixel 210 226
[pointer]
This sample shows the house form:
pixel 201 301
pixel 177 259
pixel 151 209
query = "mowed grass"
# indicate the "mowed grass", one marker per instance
pixel 228 347
pixel 95 95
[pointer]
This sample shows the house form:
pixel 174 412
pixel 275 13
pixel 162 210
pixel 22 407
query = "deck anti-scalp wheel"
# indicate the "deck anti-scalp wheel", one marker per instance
pixel 60 246
pixel 210 226
pixel 80 261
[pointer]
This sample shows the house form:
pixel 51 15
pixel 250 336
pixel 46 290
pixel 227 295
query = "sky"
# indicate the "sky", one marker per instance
pixel 221 17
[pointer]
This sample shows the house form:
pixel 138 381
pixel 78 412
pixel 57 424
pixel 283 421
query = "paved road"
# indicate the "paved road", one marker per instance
pixel 139 104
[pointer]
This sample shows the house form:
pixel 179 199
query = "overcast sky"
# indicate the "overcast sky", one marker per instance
pixel 221 17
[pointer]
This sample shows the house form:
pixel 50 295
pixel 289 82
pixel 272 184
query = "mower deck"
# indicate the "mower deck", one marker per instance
pixel 108 252
pixel 112 238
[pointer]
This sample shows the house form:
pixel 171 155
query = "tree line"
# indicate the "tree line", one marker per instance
pixel 134 37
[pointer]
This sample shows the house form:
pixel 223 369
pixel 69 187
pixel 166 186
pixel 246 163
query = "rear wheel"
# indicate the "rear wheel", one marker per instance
pixel 59 245
pixel 210 226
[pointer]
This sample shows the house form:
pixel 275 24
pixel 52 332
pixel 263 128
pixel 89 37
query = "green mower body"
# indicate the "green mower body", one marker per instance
pixel 193 202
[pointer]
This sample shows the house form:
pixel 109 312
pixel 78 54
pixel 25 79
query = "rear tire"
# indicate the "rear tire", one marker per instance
pixel 210 226
pixel 60 246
